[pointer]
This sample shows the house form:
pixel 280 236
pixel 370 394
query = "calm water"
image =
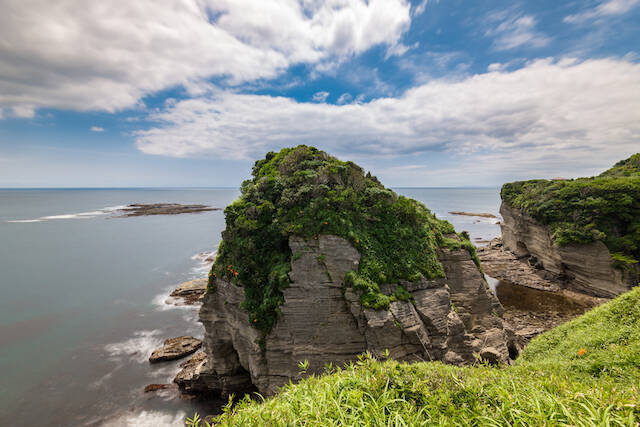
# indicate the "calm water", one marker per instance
pixel 83 295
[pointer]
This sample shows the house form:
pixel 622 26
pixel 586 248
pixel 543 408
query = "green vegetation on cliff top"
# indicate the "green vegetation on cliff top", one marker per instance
pixel 605 207
pixel 583 373
pixel 306 192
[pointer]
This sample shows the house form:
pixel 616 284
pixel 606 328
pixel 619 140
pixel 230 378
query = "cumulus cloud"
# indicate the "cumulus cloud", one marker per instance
pixel 511 30
pixel 546 109
pixel 606 8
pixel 106 55
pixel 96 129
pixel 320 96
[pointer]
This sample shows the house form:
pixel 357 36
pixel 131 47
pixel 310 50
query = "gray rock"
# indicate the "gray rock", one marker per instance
pixel 450 319
pixel 584 268
pixel 175 348
pixel 192 291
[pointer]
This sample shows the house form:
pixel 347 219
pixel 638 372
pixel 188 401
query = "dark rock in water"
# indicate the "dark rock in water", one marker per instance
pixel 481 215
pixel 163 209
pixel 189 368
pixel 192 291
pixel 157 387
pixel 175 348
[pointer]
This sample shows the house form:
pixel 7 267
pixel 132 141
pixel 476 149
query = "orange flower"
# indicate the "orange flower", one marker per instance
pixel 582 352
pixel 325 223
pixel 357 241
pixel 255 320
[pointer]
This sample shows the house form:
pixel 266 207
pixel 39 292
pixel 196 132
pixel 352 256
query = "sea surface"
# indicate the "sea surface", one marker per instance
pixel 82 297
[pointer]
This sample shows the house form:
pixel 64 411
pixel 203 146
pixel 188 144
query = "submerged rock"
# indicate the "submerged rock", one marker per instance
pixel 192 291
pixel 175 348
pixel 139 209
pixel 158 387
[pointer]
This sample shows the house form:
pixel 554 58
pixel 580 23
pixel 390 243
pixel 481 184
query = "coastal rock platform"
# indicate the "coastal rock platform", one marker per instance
pixel 175 348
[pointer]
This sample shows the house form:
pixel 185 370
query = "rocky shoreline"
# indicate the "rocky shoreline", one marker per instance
pixel 534 300
pixel 515 280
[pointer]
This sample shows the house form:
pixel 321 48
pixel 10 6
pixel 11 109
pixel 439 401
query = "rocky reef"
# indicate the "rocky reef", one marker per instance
pixel 350 268
pixel 584 233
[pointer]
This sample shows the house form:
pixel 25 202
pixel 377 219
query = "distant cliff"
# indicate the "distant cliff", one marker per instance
pixel 585 231
pixel 320 262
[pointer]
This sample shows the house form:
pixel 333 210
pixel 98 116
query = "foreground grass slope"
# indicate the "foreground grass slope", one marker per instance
pixel 585 372
pixel 605 207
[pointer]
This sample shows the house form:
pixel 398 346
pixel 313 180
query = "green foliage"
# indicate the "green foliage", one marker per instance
pixel 306 192
pixel 606 207
pixel 551 384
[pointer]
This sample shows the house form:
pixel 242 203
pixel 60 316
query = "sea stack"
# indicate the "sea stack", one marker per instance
pixel 319 263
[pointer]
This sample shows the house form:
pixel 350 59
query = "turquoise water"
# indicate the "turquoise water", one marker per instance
pixel 83 296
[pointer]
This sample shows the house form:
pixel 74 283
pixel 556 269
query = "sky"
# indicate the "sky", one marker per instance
pixel 422 93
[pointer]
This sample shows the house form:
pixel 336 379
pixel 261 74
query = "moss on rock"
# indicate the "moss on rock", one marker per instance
pixel 582 210
pixel 304 191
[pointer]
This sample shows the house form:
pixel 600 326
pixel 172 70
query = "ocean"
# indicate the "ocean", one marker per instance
pixel 83 297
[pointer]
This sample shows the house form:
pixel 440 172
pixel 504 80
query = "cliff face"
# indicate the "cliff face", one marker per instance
pixel 322 321
pixel 583 267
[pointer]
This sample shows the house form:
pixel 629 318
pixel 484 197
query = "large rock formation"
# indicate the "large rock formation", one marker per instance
pixel 587 267
pixel 455 319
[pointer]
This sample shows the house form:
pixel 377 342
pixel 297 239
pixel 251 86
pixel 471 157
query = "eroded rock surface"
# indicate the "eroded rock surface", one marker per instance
pixel 191 292
pixel 453 319
pixel 175 348
pixel 584 268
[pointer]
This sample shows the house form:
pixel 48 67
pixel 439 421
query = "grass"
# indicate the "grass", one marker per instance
pixel 583 373
pixel 304 191
pixel 606 208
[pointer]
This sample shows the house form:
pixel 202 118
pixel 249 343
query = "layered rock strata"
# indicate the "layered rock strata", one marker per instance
pixel 586 268
pixel 455 319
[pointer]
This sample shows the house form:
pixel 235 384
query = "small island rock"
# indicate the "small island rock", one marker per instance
pixel 175 348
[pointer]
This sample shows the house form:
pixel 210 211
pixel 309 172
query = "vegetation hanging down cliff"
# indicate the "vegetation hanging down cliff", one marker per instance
pixel 306 192
pixel 583 373
pixel 606 207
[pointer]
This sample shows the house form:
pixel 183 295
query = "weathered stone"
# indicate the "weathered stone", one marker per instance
pixel 157 387
pixel 192 291
pixel 584 268
pixel 175 348
pixel 321 322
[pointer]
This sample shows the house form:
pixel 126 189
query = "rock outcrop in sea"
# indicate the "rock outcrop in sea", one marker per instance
pixel 331 308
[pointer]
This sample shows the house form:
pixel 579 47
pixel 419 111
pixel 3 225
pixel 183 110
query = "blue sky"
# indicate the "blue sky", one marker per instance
pixel 422 93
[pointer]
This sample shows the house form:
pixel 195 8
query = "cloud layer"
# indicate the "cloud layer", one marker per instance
pixel 547 108
pixel 106 55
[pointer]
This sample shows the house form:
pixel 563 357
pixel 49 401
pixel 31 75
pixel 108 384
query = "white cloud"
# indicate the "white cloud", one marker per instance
pixel 106 55
pixel 320 96
pixel 544 113
pixel 345 98
pixel 420 8
pixel 606 8
pixel 514 30
pixel 96 129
